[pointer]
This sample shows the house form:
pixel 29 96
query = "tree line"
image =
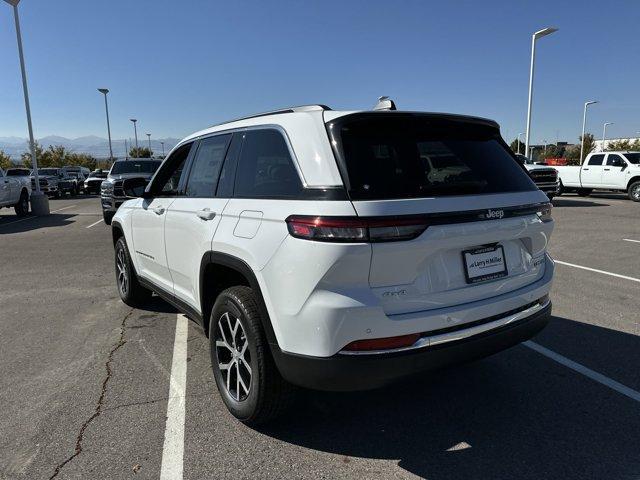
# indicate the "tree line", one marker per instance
pixel 59 156
pixel 572 152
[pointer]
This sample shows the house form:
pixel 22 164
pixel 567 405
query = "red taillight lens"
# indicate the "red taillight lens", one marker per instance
pixel 389 343
pixel 356 229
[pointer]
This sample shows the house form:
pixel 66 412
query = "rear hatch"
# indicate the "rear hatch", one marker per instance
pixel 486 225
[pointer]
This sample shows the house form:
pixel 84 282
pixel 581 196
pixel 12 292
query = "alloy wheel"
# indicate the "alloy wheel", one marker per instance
pixel 123 278
pixel 635 193
pixel 233 356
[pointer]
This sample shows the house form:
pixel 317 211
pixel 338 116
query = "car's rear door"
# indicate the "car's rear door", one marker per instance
pixel 482 235
pixel 192 218
pixel 591 173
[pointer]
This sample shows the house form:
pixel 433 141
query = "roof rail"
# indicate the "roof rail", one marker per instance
pixel 300 108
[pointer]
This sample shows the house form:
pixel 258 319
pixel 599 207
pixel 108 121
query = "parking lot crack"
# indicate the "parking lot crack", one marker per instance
pixel 99 405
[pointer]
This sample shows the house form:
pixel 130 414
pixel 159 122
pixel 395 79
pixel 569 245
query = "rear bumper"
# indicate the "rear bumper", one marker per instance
pixel 363 372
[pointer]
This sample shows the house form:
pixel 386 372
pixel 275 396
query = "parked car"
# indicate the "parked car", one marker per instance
pixel 49 181
pixel 111 194
pixel 94 180
pixel 66 183
pixel 545 178
pixel 314 249
pixel 15 191
pixel 617 171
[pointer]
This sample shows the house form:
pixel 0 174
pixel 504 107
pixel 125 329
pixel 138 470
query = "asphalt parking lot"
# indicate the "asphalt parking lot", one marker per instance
pixel 87 382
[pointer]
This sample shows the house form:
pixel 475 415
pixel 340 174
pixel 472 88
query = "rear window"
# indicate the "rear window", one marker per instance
pixel 135 166
pixel 386 156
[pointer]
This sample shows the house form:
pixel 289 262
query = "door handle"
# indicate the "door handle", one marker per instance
pixel 158 210
pixel 585 169
pixel 607 169
pixel 206 214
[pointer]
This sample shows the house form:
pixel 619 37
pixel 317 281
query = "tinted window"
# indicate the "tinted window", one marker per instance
pixel 411 156
pixel 633 158
pixel 167 181
pixel 266 168
pixel 228 174
pixel 17 173
pixel 596 160
pixel 203 177
pixel 135 166
pixel 615 160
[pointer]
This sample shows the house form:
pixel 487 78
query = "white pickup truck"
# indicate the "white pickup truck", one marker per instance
pixel 15 190
pixel 619 171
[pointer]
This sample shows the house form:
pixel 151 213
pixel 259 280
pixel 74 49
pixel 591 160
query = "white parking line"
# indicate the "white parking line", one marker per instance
pixel 587 372
pixel 173 449
pixel 633 279
pixel 630 240
pixel 60 209
pixel 94 224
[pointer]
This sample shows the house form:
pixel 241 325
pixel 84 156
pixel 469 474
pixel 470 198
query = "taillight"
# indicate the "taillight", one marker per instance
pixel 388 343
pixel 356 229
pixel 544 212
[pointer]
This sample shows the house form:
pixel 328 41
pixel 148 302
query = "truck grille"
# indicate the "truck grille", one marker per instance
pixel 544 176
pixel 41 181
pixel 117 189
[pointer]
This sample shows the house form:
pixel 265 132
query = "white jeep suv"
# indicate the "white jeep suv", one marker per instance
pixel 315 248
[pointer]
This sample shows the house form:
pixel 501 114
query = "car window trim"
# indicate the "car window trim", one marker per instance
pixel 166 162
pixel 194 154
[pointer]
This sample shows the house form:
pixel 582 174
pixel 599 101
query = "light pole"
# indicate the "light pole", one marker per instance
pixel 162 143
pixel 519 141
pixel 149 138
pixel 539 34
pixel 104 91
pixel 39 201
pixel 135 130
pixel 584 123
pixel 604 133
pixel 126 151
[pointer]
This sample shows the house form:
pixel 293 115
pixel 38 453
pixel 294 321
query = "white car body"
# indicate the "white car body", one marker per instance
pixel 12 187
pixel 605 171
pixel 321 296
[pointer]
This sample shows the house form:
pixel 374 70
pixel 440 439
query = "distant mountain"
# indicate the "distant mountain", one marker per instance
pixel 91 144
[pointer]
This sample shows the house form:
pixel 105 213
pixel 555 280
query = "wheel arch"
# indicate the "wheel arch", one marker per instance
pixel 116 231
pixel 633 180
pixel 219 271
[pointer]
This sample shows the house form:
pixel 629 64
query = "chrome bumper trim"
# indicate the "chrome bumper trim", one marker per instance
pixel 430 341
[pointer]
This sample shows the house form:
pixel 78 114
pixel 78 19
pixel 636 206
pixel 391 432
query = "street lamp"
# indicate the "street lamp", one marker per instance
pixel 135 130
pixel 539 34
pixel 584 122
pixel 149 138
pixel 162 143
pixel 104 91
pixel 519 141
pixel 39 201
pixel 604 133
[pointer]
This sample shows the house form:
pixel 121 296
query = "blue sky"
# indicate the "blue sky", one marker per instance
pixel 179 66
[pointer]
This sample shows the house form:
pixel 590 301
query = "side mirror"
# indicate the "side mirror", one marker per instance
pixel 135 187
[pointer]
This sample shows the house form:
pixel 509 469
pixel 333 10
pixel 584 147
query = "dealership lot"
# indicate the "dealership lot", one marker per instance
pixel 90 385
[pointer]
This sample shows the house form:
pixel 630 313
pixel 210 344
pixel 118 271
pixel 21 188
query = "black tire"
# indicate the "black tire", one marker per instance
pixel 129 289
pixel 561 189
pixel 58 194
pixel 107 217
pixel 268 393
pixel 74 191
pixel 634 191
pixel 22 207
pixel 585 192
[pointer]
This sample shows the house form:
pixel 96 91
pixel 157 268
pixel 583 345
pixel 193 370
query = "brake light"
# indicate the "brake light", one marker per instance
pixel 388 343
pixel 356 229
pixel 544 212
